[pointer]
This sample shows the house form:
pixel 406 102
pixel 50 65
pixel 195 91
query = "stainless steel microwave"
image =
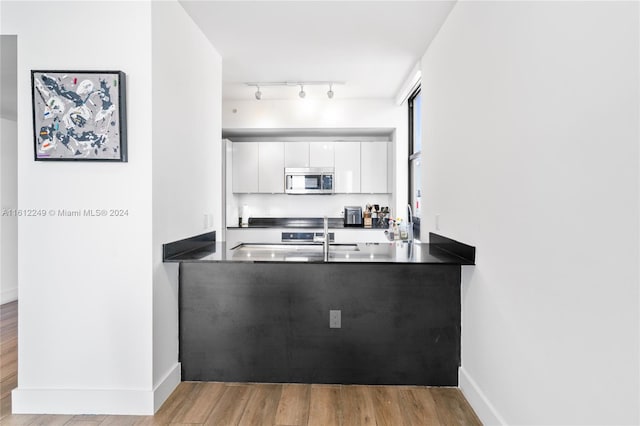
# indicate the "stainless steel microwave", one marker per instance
pixel 309 180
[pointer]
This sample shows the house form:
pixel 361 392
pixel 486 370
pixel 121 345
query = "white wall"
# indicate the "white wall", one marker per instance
pixel 85 321
pixel 318 113
pixel 8 202
pixel 187 75
pixel 531 141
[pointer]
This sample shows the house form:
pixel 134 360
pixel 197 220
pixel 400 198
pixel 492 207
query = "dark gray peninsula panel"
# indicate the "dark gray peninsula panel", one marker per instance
pixel 269 322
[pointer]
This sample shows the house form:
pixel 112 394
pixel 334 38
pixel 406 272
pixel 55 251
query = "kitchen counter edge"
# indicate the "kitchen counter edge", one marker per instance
pixel 439 250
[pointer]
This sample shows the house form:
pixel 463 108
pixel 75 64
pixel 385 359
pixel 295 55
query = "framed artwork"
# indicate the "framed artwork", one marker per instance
pixel 79 115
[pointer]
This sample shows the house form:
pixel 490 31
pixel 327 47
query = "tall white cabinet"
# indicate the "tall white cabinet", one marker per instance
pixel 296 154
pixel 373 173
pixel 245 167
pixel 321 154
pixel 271 167
pixel 347 167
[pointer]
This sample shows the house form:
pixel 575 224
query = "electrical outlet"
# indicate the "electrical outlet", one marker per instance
pixel 205 221
pixel 437 222
pixel 335 319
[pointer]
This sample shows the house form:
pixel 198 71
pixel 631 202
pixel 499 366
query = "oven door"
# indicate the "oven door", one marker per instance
pixel 303 184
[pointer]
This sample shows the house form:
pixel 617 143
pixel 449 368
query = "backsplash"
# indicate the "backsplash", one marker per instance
pixel 285 205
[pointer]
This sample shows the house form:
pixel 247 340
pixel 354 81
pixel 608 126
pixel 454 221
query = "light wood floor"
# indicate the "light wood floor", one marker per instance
pixel 213 403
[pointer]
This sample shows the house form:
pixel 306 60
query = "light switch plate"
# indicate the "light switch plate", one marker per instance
pixel 335 319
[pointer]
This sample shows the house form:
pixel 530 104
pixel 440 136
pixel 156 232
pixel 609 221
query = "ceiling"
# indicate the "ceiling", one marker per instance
pixel 371 45
pixel 8 76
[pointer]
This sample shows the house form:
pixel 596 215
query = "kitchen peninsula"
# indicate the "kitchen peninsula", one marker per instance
pixel 374 313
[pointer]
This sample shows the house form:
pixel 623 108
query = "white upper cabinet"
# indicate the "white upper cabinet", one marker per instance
pixel 296 154
pixel 271 167
pixel 374 165
pixel 360 167
pixel 347 167
pixel 245 167
pixel 321 154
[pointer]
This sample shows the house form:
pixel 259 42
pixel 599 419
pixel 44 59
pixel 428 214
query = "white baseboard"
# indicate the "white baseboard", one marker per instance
pixel 82 401
pixel 7 296
pixel 163 389
pixel 91 401
pixel 480 403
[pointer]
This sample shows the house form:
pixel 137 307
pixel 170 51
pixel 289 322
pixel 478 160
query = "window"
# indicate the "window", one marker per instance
pixel 415 158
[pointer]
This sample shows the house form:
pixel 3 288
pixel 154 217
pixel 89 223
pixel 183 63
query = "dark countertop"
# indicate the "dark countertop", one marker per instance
pixel 204 248
pixel 392 252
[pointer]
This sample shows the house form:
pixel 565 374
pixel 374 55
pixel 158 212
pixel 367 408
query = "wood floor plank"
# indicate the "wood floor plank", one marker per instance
pixel 262 406
pixel 5 407
pixel 293 408
pixel 8 370
pixel 8 384
pixel 207 396
pixel 86 420
pixel 8 345
pixel 7 335
pixel 325 406
pixel 18 419
pixel 385 402
pixel 9 310
pixel 418 407
pixel 171 406
pixel 231 405
pixel 9 318
pixel 357 406
pixel 51 420
pixel 452 408
pixel 188 402
pixel 121 420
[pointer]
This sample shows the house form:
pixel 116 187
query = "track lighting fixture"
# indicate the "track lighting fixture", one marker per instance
pixel 302 94
pixel 330 92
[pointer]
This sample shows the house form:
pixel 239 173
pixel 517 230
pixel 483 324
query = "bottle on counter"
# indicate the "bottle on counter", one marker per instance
pixel 404 235
pixel 367 216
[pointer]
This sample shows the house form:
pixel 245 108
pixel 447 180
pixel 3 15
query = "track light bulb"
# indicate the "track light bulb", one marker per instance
pixel 330 92
pixel 258 93
pixel 302 93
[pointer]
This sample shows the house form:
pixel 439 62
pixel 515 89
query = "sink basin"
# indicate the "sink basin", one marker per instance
pixel 294 247
pixel 343 247
pixel 287 252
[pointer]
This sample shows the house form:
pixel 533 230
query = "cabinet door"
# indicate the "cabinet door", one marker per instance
pixel 296 154
pixel 321 154
pixel 347 167
pixel 245 167
pixel 271 167
pixel 373 167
